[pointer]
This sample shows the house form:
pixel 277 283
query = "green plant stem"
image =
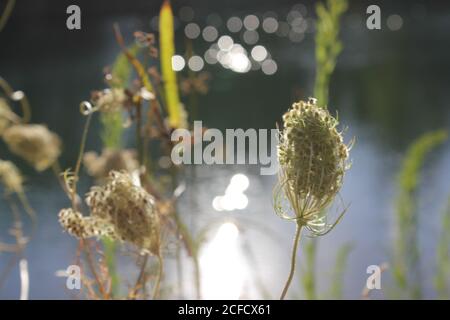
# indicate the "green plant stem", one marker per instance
pixel 406 255
pixel 110 258
pixel 309 278
pixel 293 261
pixel 442 273
pixel 339 270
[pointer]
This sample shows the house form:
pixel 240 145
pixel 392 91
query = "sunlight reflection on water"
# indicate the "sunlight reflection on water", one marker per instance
pixel 224 269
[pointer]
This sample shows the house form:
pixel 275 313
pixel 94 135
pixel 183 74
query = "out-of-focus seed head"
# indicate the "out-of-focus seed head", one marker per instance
pixel 10 177
pixel 313 159
pixel 35 143
pixel 129 208
pixel 99 166
pixel 110 100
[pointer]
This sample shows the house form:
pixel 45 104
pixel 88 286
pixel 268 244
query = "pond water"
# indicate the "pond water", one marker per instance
pixel 389 87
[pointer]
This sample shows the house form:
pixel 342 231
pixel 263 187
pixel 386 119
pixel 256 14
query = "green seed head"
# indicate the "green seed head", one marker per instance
pixel 312 152
pixel 313 159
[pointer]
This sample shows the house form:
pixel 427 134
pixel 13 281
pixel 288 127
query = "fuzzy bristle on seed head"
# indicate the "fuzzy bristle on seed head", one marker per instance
pixel 35 143
pixel 312 157
pixel 129 208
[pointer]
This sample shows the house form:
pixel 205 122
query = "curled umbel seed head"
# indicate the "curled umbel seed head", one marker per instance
pixel 10 177
pixel 119 210
pixel 313 160
pixel 7 117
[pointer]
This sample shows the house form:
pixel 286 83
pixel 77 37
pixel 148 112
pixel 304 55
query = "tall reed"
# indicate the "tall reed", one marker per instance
pixel 328 45
pixel 442 275
pixel 406 254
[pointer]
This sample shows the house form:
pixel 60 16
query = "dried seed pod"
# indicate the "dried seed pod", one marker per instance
pixel 129 208
pixel 10 177
pixel 34 143
pixel 313 160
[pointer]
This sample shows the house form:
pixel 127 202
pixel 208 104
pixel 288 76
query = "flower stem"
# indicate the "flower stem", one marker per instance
pixel 293 261
pixel 159 276
pixel 79 161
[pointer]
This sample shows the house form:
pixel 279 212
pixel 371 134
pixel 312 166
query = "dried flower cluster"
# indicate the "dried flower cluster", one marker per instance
pixel 110 100
pixel 35 143
pixel 10 177
pixel 99 166
pixel 313 160
pixel 119 210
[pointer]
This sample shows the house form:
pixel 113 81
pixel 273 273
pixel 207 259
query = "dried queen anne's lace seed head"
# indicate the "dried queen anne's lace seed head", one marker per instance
pixel 129 208
pixel 119 209
pixel 10 176
pixel 313 160
pixel 110 100
pixel 35 143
